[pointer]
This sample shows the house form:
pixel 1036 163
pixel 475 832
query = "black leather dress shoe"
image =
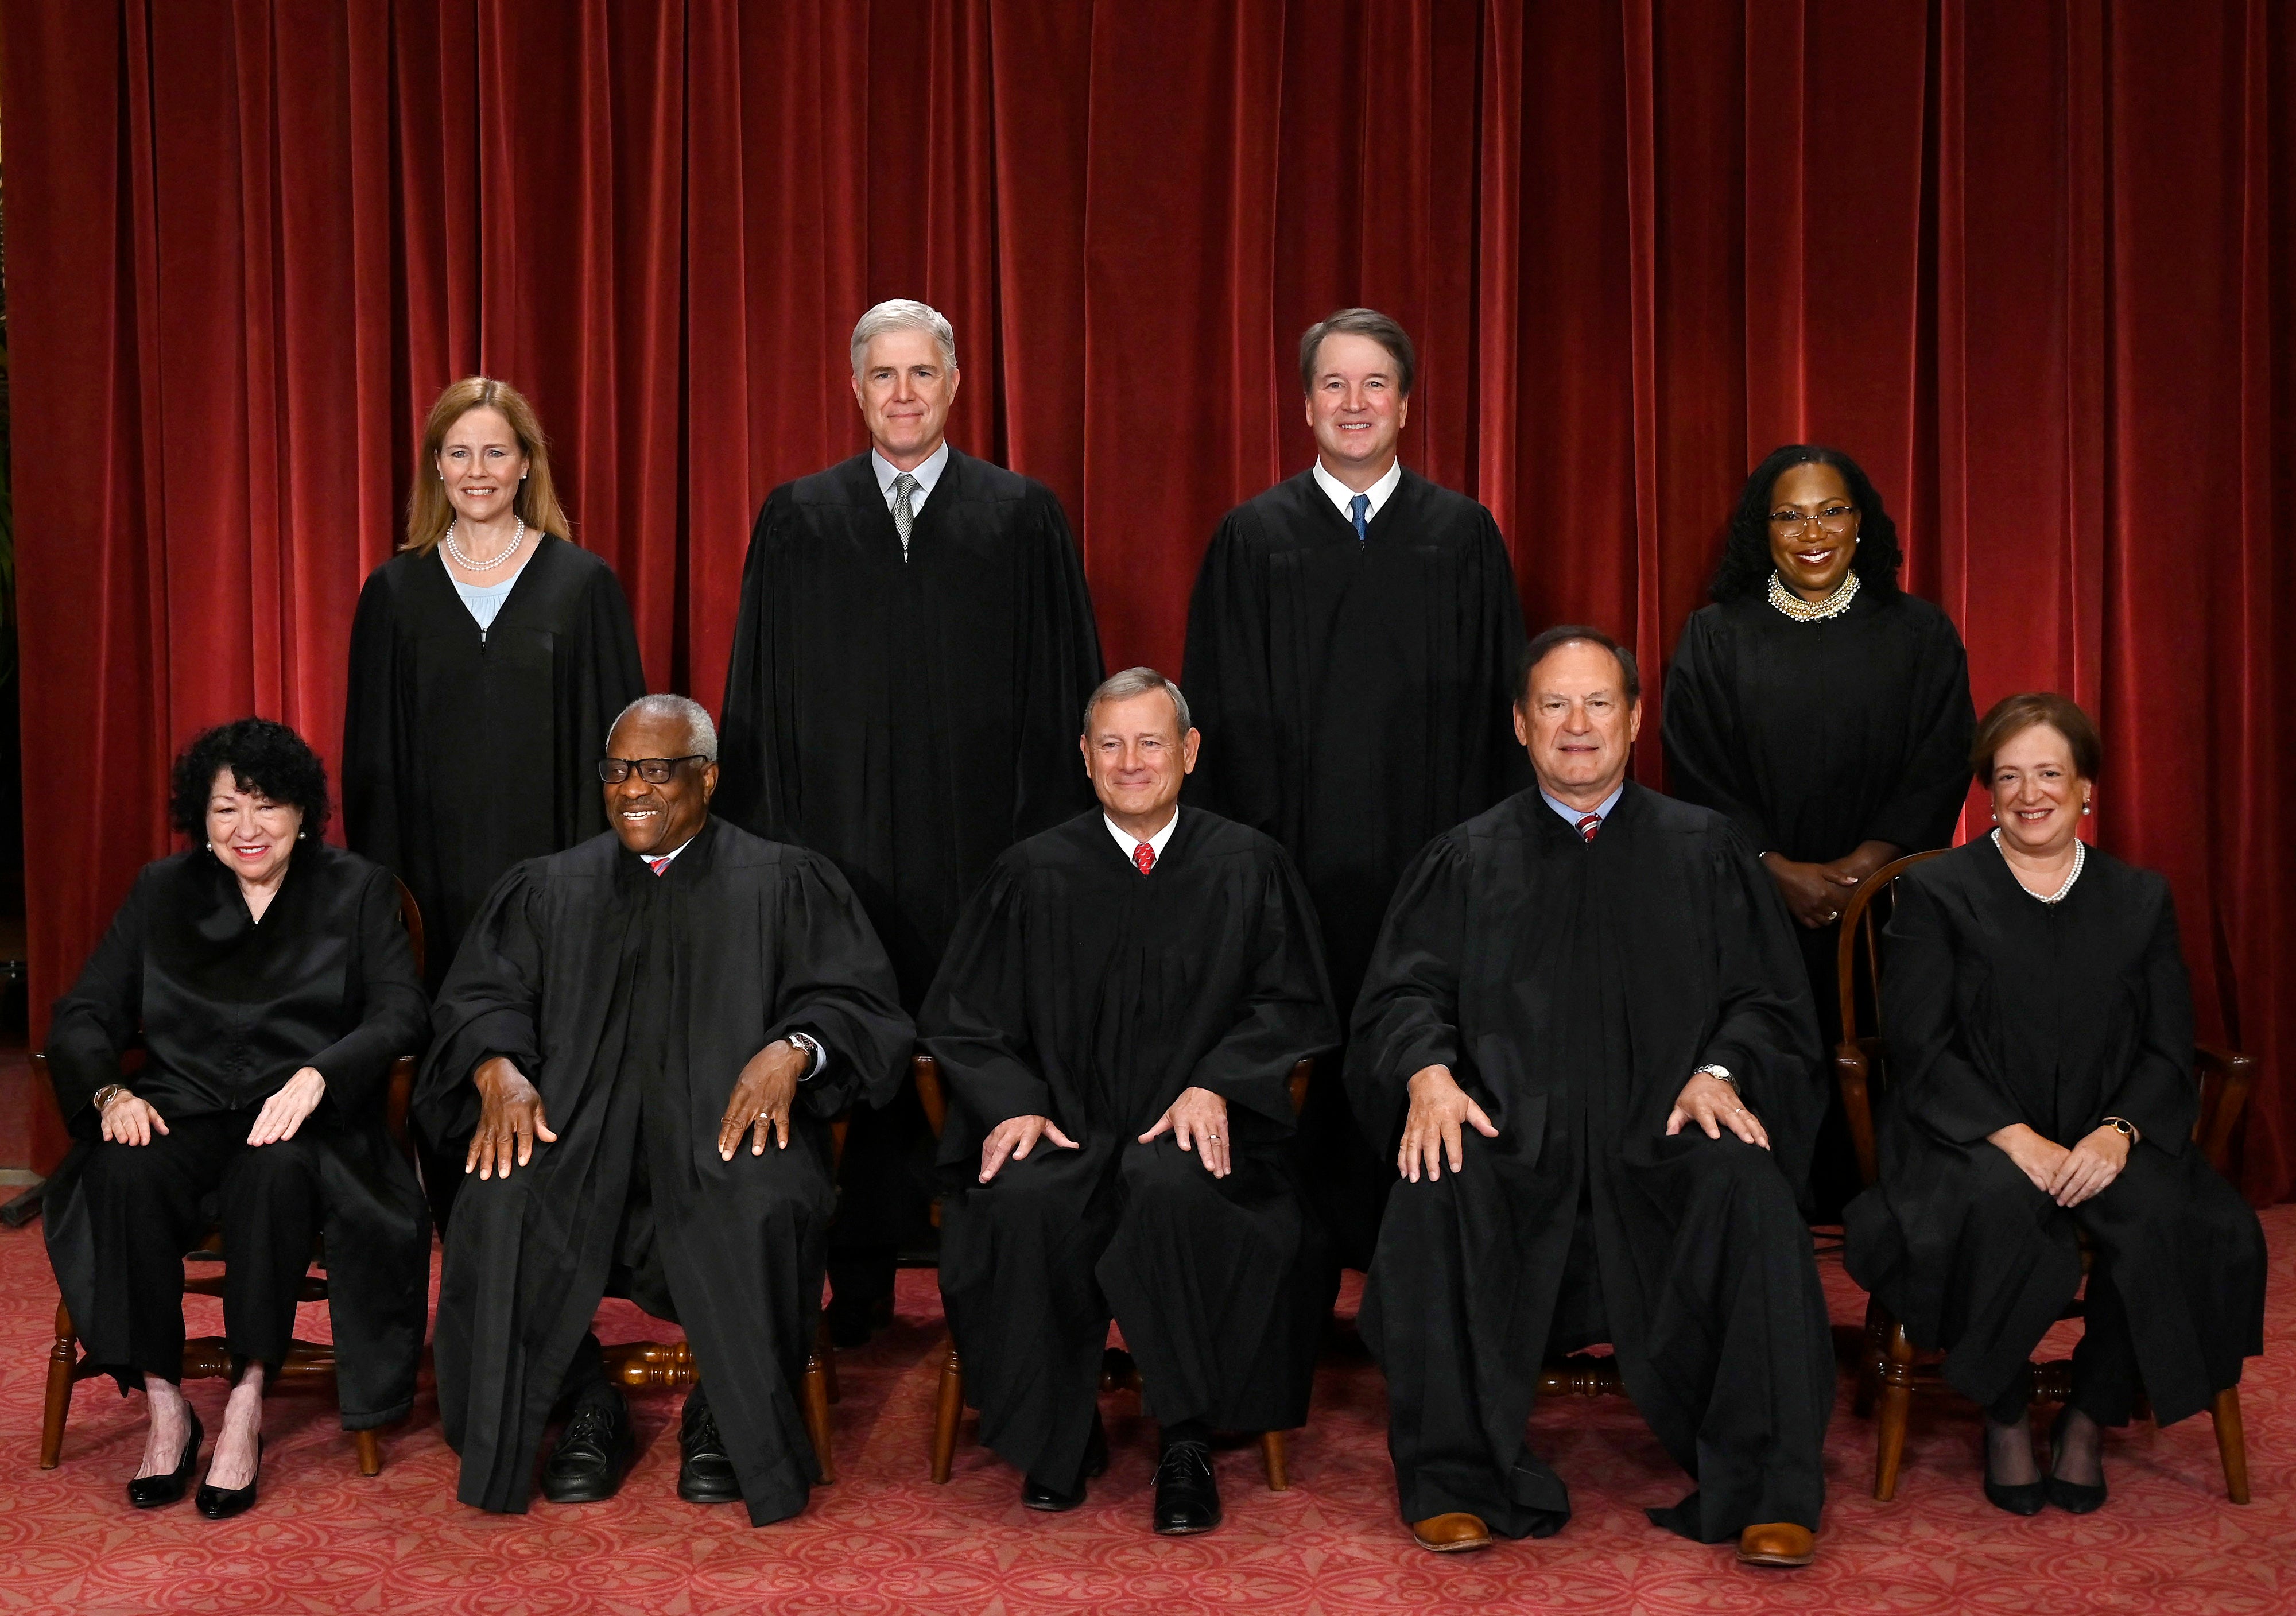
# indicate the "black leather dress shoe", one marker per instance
pixel 1187 1497
pixel 1036 1495
pixel 593 1451
pixel 2018 1498
pixel 222 1503
pixel 150 1492
pixel 2074 1497
pixel 705 1470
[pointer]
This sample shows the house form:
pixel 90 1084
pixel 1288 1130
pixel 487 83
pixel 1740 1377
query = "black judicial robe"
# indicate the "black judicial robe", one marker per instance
pixel 1354 698
pixel 2001 1009
pixel 754 938
pixel 1078 990
pixel 1572 988
pixel 229 1009
pixel 463 752
pixel 909 719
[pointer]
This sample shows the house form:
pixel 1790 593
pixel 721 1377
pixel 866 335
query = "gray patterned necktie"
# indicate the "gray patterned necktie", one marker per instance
pixel 904 518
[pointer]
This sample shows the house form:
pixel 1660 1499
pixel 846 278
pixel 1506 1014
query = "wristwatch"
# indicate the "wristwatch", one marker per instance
pixel 1722 1072
pixel 2124 1128
pixel 107 1095
pixel 812 1047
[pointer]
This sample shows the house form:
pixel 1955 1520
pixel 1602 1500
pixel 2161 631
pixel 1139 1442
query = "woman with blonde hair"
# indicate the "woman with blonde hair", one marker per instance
pixel 488 658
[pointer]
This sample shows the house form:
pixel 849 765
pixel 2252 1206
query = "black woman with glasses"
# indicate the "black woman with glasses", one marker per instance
pixel 1823 709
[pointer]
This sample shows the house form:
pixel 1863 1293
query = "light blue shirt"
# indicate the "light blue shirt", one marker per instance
pixel 485 601
pixel 926 474
pixel 1601 809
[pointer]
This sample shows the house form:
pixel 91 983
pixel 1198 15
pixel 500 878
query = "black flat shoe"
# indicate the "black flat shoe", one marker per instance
pixel 150 1492
pixel 221 1504
pixel 705 1470
pixel 1187 1497
pixel 2019 1498
pixel 1035 1494
pixel 2073 1498
pixel 594 1450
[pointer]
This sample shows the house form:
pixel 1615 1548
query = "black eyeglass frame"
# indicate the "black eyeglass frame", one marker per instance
pixel 645 768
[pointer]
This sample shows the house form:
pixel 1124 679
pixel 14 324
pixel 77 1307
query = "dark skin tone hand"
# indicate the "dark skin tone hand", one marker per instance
pixel 510 1120
pixel 762 1097
pixel 1815 893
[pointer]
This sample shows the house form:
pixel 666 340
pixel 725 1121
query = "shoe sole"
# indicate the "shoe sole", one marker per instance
pixel 1463 1547
pixel 1782 1562
pixel 698 1495
pixel 1186 1531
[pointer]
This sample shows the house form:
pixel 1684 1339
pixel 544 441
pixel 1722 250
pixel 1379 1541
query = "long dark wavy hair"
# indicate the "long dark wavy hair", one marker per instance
pixel 1745 566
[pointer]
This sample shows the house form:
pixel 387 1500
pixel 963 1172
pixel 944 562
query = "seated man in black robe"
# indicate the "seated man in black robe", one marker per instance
pixel 1588 1019
pixel 622 1020
pixel 1121 1007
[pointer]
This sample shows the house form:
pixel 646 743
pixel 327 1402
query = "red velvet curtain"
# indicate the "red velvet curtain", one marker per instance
pixel 2032 263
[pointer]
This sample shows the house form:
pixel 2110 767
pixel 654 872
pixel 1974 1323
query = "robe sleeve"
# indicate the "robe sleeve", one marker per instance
pixel 98 1019
pixel 1407 1017
pixel 1698 722
pixel 370 785
pixel 489 1005
pixel 394 1019
pixel 1231 697
pixel 1060 666
pixel 2160 1094
pixel 1288 1016
pixel 1766 1028
pixel 1920 814
pixel 605 676
pixel 836 983
pixel 1931 1078
pixel 749 791
pixel 975 1019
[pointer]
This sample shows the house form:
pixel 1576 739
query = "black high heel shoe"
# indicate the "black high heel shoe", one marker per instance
pixel 150 1492
pixel 2019 1498
pixel 221 1504
pixel 2073 1498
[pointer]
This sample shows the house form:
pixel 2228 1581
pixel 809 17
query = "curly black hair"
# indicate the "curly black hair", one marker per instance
pixel 1745 566
pixel 265 758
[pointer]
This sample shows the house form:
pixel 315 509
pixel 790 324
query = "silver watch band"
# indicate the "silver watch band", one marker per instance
pixel 1722 1072
pixel 813 1049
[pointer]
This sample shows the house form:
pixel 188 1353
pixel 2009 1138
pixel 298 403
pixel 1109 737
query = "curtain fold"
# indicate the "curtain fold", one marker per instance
pixel 2032 264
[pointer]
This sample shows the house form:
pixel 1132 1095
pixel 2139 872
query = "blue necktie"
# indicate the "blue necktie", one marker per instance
pixel 1358 512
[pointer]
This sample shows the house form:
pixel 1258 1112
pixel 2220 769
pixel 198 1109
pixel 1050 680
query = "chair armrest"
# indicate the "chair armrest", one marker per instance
pixel 1297 1083
pixel 2226 1077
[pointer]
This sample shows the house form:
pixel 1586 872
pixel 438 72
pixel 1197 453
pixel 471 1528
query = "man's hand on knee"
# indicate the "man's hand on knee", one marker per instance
pixel 1439 1107
pixel 1198 1122
pixel 1014 1138
pixel 762 1097
pixel 1714 1105
pixel 510 1120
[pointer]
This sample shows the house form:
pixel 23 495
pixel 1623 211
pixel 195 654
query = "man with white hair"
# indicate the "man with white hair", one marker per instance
pixel 914 642
pixel 646 1038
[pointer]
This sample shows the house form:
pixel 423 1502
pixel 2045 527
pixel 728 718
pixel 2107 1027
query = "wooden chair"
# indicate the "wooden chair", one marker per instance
pixel 1891 1368
pixel 1117 1372
pixel 207 1356
pixel 669 1366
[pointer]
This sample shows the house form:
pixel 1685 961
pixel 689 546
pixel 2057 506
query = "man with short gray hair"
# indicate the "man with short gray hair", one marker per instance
pixel 914 641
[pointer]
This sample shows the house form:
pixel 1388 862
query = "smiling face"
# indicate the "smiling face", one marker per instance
pixel 252 835
pixel 480 462
pixel 905 390
pixel 2037 794
pixel 1577 722
pixel 1136 757
pixel 653 819
pixel 1356 406
pixel 1813 529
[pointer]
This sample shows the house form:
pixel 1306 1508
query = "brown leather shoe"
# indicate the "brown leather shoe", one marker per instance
pixel 1777 1543
pixel 1452 1533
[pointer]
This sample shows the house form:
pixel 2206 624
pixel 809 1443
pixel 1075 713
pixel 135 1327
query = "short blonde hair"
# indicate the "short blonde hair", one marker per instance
pixel 428 511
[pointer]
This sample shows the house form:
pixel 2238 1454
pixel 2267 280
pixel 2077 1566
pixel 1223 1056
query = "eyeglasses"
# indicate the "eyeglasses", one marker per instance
pixel 653 771
pixel 1834 518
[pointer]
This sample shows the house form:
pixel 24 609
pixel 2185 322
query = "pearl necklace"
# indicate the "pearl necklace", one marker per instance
pixel 456 550
pixel 1814 611
pixel 2080 857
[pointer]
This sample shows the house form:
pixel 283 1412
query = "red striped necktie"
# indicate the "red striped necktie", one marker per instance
pixel 659 865
pixel 1144 855
pixel 1588 823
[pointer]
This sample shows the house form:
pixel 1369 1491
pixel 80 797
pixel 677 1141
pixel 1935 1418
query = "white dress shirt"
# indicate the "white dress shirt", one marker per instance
pixel 927 472
pixel 1128 841
pixel 1343 497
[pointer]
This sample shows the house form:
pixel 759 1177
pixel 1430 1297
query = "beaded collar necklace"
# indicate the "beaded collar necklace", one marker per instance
pixel 2080 857
pixel 1814 611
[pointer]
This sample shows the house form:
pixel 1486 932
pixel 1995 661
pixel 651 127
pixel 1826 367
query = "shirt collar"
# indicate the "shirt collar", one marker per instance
pixel 648 858
pixel 1343 497
pixel 1128 841
pixel 1601 809
pixel 926 474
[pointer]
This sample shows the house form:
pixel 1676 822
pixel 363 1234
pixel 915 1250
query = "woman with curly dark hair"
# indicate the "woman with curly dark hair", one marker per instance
pixel 1823 709
pixel 271 982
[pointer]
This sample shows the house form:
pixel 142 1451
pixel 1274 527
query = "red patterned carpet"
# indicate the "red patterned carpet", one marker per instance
pixel 884 1538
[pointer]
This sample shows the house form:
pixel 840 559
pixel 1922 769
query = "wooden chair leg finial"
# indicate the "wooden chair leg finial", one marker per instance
pixel 64 1359
pixel 948 1413
pixel 1895 1374
pixel 2232 1442
pixel 816 1400
pixel 1272 1459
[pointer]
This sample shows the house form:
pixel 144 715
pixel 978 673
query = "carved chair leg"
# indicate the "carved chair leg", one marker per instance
pixel 1895 1373
pixel 2232 1442
pixel 63 1358
pixel 948 1410
pixel 370 1452
pixel 1271 1460
pixel 825 1353
pixel 817 1415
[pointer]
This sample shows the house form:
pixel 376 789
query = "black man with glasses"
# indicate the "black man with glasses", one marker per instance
pixel 644 1040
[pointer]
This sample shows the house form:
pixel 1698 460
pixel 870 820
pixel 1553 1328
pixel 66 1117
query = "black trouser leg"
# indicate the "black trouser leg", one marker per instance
pixel 144 1208
pixel 269 1202
pixel 2106 1380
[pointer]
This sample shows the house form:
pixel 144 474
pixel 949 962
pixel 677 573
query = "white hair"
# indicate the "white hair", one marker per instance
pixel 701 734
pixel 1137 682
pixel 904 314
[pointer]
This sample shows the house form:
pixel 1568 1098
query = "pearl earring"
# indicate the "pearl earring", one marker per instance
pixel 2084 808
